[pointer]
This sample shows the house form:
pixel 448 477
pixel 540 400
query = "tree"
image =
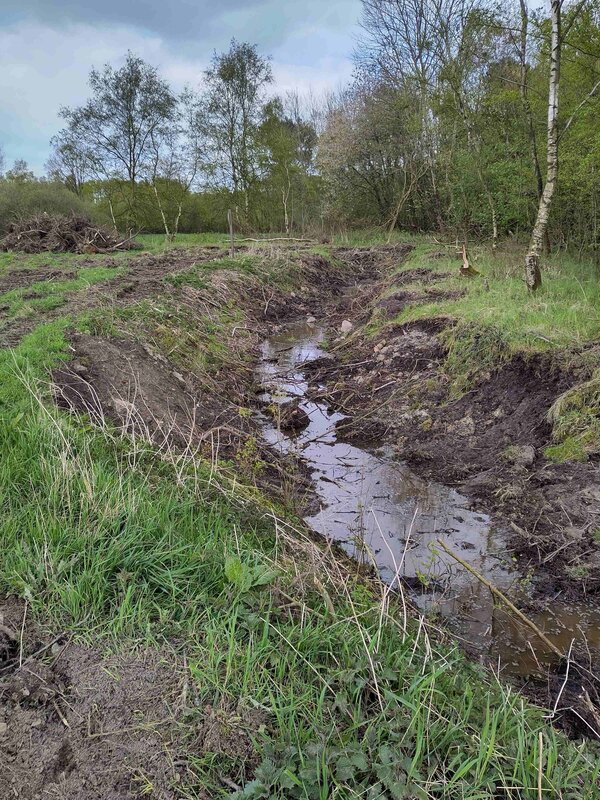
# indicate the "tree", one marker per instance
pixel 533 276
pixel 287 144
pixel 236 82
pixel 69 163
pixel 177 156
pixel 20 172
pixel 116 131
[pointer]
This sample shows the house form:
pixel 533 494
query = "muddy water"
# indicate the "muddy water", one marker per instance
pixel 382 513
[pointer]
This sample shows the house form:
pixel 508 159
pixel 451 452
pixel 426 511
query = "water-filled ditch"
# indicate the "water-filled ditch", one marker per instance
pixel 382 513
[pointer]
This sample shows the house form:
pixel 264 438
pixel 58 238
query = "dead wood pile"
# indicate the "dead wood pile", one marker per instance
pixel 62 234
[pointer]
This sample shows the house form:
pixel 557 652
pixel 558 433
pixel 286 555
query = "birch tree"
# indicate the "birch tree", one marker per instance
pixel 130 108
pixel 533 274
pixel 236 83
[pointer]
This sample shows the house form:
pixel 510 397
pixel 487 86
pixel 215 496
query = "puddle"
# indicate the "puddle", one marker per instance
pixel 382 513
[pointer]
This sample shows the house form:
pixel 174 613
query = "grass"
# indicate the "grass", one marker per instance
pixel 108 538
pixel 565 312
pixel 48 295
pixel 101 535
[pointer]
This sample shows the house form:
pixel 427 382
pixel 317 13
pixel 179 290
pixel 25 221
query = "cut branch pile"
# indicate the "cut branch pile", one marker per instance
pixel 62 234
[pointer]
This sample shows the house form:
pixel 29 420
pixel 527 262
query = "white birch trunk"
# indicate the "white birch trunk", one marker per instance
pixel 533 275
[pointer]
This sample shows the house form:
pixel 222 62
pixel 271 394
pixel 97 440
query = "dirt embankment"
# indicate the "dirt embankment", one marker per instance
pixel 181 374
pixel 489 443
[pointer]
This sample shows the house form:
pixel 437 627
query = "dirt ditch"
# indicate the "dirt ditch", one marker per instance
pixel 398 464
pixel 189 387
pixel 383 463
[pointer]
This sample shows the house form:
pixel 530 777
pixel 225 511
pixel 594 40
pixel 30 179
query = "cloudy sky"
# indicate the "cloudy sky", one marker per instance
pixel 47 48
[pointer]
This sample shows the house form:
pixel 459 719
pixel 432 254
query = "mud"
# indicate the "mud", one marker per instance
pixel 138 390
pixel 22 278
pixel 76 724
pixel 394 303
pixel 489 444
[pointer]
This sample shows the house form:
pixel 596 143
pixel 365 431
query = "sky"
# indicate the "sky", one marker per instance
pixel 48 47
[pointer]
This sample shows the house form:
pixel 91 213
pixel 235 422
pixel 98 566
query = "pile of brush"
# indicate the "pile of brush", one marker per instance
pixel 62 234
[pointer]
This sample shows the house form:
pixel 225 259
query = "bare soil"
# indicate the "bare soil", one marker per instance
pixel 76 724
pixel 21 278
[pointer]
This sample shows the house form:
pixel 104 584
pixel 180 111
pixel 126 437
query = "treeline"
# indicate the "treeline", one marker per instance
pixel 151 159
pixel 142 157
pixel 444 128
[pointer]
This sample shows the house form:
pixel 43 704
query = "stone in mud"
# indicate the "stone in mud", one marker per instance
pixel 573 533
pixel 463 427
pixel 346 326
pixel 520 455
pixel 290 418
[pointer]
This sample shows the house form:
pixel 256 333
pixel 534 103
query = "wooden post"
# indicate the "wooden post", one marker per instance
pixel 230 221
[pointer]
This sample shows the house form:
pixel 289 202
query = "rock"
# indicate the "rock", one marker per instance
pixel 289 417
pixel 498 413
pixel 483 480
pixel 419 415
pixel 521 455
pixel 79 369
pixel 311 320
pixel 576 534
pixel 346 326
pixel 463 427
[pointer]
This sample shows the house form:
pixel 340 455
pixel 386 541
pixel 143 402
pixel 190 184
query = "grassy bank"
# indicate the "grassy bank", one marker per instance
pixel 497 319
pixel 339 690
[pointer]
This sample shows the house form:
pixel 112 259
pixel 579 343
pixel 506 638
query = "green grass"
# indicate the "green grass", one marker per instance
pixel 51 294
pixel 496 319
pixel 565 312
pixel 157 242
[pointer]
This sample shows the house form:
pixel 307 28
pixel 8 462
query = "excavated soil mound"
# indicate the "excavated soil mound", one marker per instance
pixel 130 385
pixel 60 234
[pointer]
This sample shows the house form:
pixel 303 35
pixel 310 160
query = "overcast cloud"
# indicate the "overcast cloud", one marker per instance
pixel 49 46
